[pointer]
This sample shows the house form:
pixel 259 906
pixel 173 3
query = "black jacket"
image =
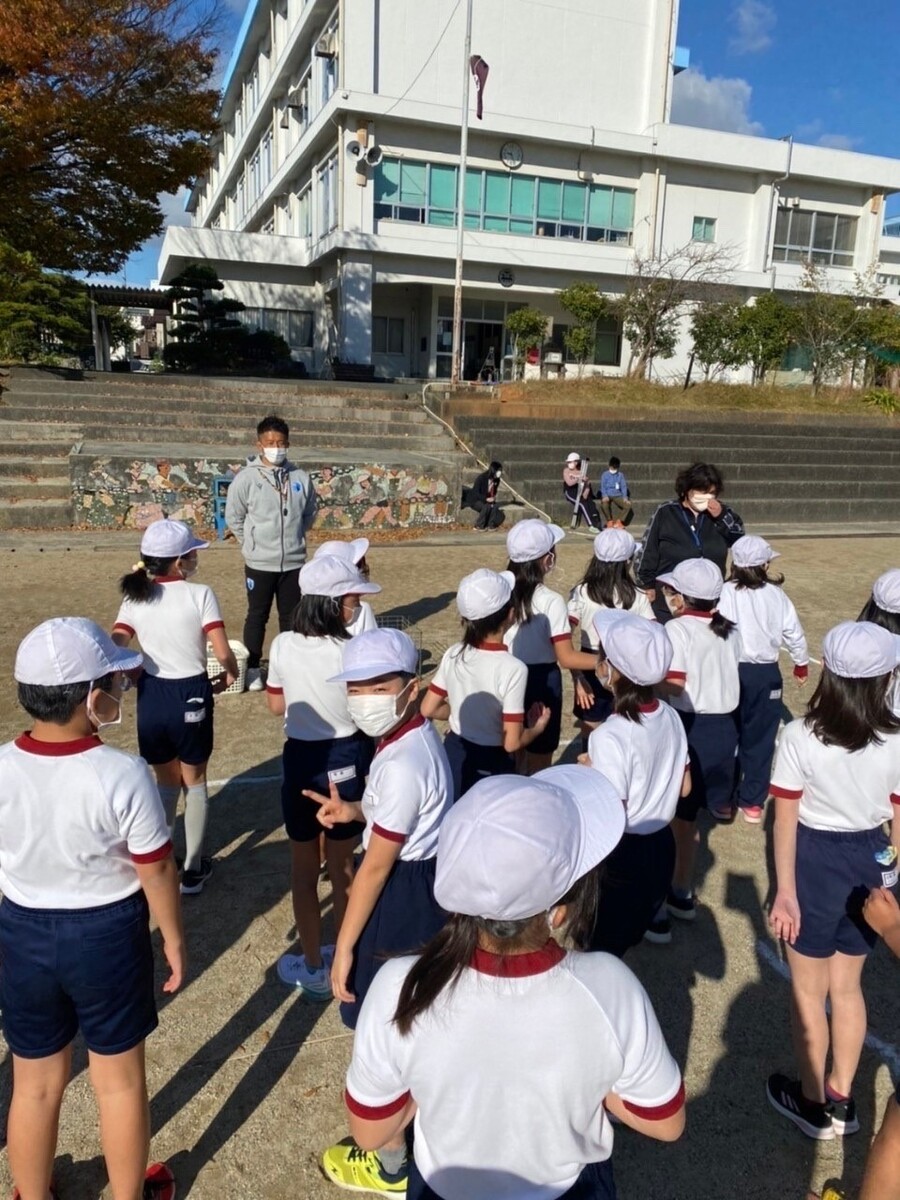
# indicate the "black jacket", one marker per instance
pixel 481 490
pixel 674 534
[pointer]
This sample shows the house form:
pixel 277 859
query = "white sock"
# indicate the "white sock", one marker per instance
pixel 169 794
pixel 196 809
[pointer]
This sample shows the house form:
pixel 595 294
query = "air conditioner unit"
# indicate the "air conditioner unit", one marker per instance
pixel 325 47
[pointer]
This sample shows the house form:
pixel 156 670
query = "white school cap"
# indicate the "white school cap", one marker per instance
pixel 752 551
pixel 375 653
pixel 860 650
pixel 574 457
pixel 169 539
pixel 484 592
pixel 614 545
pixel 639 648
pixel 528 540
pixel 512 847
pixel 697 577
pixel 332 576
pixel 70 650
pixel 354 551
pixel 886 591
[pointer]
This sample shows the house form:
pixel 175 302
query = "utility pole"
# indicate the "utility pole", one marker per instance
pixel 455 371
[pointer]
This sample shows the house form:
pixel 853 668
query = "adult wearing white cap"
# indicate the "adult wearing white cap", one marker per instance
pixel 577 490
pixel 540 634
pixel 836 783
pixel 356 551
pixel 483 1038
pixel 883 608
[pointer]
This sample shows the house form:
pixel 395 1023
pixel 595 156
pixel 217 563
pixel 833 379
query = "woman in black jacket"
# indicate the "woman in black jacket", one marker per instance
pixel 482 496
pixel 693 525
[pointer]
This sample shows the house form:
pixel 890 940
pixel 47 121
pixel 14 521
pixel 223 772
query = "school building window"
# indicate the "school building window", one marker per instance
pixel 328 201
pixel 607 343
pixel 387 335
pixel 500 202
pixel 825 238
pixel 704 229
pixel 294 325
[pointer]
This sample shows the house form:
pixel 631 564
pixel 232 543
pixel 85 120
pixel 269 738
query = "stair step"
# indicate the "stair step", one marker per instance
pixel 295 408
pixel 22 465
pixel 37 488
pixel 35 514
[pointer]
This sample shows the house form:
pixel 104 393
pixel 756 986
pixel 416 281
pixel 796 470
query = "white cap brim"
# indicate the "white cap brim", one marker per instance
pixel 368 671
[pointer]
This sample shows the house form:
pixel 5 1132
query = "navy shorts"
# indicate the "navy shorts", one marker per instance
pixel 602 705
pixel 308 766
pixel 470 762
pixel 62 970
pixel 712 743
pixel 595 1182
pixel 175 719
pixel 544 686
pixel 634 882
pixel 835 871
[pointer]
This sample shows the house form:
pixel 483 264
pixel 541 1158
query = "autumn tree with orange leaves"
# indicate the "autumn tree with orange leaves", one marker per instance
pixel 104 106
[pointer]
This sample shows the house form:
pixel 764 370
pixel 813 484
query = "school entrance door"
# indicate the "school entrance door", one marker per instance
pixel 482 341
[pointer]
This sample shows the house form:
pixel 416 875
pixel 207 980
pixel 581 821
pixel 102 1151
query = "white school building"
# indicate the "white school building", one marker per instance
pixel 330 205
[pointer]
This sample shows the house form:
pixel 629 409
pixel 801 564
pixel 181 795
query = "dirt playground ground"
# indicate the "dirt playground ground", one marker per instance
pixel 246 1078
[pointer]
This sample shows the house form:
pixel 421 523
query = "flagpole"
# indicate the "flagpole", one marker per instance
pixel 455 371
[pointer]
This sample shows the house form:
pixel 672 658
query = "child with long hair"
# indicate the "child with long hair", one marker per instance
pixel 173 619
pixel 608 583
pixel 324 746
pixel 766 621
pixel 836 784
pixel 356 551
pixel 479 687
pixel 883 608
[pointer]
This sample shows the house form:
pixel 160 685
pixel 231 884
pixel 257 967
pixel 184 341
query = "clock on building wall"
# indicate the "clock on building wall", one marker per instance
pixel 511 155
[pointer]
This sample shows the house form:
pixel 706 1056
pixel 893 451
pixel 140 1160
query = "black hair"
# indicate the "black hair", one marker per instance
pixel 273 424
pixel 851 713
pixel 615 463
pixel 753 577
pixel 476 630
pixel 719 625
pixel 449 953
pixel 608 582
pixel 495 467
pixel 880 616
pixel 698 477
pixel 319 616
pixel 56 705
pixel 628 696
pixel 528 576
pixel 140 586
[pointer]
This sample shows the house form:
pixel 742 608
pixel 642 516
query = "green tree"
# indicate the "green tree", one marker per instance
pixel 828 324
pixel 203 330
pixel 587 305
pixel 713 330
pixel 763 332
pixel 528 327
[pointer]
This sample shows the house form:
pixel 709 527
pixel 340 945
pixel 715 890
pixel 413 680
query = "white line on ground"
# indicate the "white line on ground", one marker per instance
pixel 243 779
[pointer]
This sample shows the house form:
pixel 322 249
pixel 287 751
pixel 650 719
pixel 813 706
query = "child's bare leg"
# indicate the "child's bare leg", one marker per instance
pixel 38 1087
pixel 848 1019
pixel 305 896
pixel 809 1022
pixel 120 1085
pixel 687 839
pixel 882 1178
pixel 339 861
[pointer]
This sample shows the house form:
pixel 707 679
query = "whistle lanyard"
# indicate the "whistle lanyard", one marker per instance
pixel 694 527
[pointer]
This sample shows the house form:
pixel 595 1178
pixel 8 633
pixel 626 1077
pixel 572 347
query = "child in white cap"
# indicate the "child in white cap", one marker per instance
pixel 883 608
pixel 766 621
pixel 642 750
pixel 479 687
pixel 608 583
pixel 356 551
pixel 703 685
pixel 540 634
pixel 577 490
pixel 85 860
pixel 324 747
pixel 173 619
pixel 481 1040
pixel 836 783
pixel 392 909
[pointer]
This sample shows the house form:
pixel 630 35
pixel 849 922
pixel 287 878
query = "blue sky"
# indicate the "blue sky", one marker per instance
pixel 823 72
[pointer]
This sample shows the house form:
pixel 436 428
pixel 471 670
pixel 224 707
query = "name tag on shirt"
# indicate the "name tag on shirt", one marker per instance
pixel 342 774
pixel 775 694
pixel 194 716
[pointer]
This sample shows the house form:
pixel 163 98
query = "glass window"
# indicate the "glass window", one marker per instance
pixel 704 229
pixel 473 194
pixel 622 209
pixel 823 231
pixel 496 194
pixel 387 180
pixel 412 184
pixel 608 343
pixel 522 198
pixel 600 206
pixel 574 195
pixel 387 335
pixel 496 224
pixel 549 204
pixel 825 238
pixel 442 188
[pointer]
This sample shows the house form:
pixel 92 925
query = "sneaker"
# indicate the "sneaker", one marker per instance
pixel 723 815
pixel 159 1183
pixel 255 679
pixel 833 1193
pixel 659 932
pixel 293 971
pixel 682 907
pixel 810 1117
pixel 358 1170
pixel 192 881
pixel 843 1116
pixel 752 813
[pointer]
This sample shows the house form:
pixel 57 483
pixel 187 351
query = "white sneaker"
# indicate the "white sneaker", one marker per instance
pixel 293 971
pixel 255 680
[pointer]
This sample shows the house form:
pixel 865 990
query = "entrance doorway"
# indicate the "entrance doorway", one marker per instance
pixel 482 341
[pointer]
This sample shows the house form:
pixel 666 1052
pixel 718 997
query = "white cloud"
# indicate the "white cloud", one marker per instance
pixel 755 21
pixel 716 103
pixel 839 141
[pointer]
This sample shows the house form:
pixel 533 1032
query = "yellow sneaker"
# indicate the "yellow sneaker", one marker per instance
pixel 357 1170
pixel 833 1193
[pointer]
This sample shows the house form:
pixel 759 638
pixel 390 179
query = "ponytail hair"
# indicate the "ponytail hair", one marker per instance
pixel 140 585
pixel 477 630
pixel 719 625
pixel 609 583
pixel 753 577
pixel 528 576
pixel 880 616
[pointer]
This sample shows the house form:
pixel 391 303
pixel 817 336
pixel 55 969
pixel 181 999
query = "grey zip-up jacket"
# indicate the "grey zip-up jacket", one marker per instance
pixel 269 510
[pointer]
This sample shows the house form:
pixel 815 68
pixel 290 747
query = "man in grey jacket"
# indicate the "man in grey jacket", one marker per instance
pixel 271 504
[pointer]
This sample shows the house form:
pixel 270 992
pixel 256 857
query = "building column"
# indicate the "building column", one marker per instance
pixel 356 310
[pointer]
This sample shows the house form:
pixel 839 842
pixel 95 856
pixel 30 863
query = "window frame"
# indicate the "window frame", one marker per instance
pixel 709 225
pixel 788 251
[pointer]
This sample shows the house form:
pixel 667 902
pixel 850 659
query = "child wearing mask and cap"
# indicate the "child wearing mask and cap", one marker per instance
pixel 392 909
pixel 577 490
pixel 481 1039
pixel 85 860
pixel 354 551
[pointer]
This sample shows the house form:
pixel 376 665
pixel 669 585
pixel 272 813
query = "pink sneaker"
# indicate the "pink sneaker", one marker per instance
pixel 752 814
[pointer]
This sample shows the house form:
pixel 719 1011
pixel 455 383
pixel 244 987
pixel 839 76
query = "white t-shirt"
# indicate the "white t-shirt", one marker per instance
pixel 509 1074
pixel 74 818
pixel 298 669
pixel 582 610
pixel 706 664
pixel 409 790
pixel 837 789
pixel 172 628
pixel 644 762
pixel 532 642
pixel 485 687
pixel 363 621
pixel 766 619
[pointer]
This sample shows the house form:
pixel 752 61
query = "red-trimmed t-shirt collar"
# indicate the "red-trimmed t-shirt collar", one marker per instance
pixel 517 966
pixel 696 612
pixel 168 579
pixel 407 727
pixel 56 749
pixel 492 646
pixel 649 708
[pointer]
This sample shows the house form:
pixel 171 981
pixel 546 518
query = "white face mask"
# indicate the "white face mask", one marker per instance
pixel 188 568
pixel 699 501
pixel 376 715
pixel 674 604
pixel 92 716
pixel 605 681
pixel 275 455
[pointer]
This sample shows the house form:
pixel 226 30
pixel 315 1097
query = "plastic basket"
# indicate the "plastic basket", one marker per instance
pixel 213 667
